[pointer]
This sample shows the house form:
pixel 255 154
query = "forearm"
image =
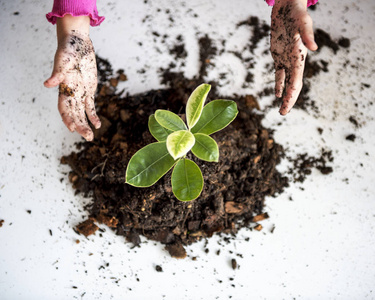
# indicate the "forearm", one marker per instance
pixel 300 3
pixel 76 8
pixel 69 25
pixel 303 2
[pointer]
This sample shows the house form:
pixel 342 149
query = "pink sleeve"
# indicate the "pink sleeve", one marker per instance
pixel 309 2
pixel 75 8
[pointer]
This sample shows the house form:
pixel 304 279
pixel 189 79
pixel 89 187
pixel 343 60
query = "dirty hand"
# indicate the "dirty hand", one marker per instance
pixel 291 35
pixel 76 74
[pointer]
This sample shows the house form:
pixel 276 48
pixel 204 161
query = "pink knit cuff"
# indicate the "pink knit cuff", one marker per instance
pixel 309 2
pixel 75 8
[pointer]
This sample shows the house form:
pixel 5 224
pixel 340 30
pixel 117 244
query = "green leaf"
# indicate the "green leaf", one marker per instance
pixel 216 115
pixel 179 143
pixel 148 165
pixel 205 148
pixel 195 104
pixel 187 180
pixel 158 132
pixel 169 120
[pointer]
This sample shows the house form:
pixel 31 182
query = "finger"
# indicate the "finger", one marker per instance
pixel 71 91
pixel 55 79
pixel 292 92
pixel 63 62
pixel 307 32
pixel 80 120
pixel 91 112
pixel 89 76
pixel 65 109
pixel 290 98
pixel 89 73
pixel 279 82
pixel 294 81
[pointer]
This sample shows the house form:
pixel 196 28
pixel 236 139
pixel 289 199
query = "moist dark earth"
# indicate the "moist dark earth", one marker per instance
pixel 235 188
pixel 234 191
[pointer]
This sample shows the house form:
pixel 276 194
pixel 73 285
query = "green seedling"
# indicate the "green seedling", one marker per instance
pixel 176 139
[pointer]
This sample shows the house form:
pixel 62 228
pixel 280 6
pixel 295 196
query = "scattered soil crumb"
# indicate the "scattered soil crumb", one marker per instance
pixel 350 137
pixel 354 121
pixel 234 264
pixel 260 217
pixel 260 30
pixel 303 164
pixel 87 227
pixel 176 250
pixel 344 42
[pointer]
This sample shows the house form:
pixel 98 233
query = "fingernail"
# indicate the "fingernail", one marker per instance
pixel 283 111
pixel 89 137
pixel 98 125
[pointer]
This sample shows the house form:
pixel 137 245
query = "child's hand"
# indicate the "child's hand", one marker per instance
pixel 76 74
pixel 291 35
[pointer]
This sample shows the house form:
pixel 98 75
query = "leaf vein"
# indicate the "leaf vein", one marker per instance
pixel 148 167
pixel 214 117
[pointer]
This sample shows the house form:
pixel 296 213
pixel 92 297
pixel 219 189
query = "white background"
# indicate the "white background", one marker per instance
pixel 323 245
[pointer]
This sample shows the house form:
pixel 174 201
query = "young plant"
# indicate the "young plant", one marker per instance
pixel 176 139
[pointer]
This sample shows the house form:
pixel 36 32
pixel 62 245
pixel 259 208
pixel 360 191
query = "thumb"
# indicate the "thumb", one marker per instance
pixel 55 79
pixel 61 65
pixel 307 33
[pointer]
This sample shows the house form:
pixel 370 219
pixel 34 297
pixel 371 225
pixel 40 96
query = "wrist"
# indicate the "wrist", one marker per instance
pixel 302 2
pixel 69 25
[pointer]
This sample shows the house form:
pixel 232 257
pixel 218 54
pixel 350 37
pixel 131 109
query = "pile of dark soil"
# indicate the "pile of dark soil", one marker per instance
pixel 234 191
pixel 235 188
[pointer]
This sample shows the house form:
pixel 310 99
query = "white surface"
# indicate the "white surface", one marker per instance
pixel 323 246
